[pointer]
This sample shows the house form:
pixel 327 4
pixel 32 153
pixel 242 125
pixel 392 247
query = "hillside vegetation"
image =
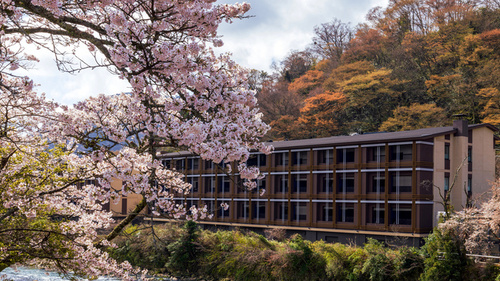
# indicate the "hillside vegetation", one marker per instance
pixel 414 64
pixel 237 255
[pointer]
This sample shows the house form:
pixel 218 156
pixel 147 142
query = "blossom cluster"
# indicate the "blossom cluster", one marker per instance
pixel 59 163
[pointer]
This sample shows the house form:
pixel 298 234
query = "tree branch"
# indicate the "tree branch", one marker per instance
pixel 130 217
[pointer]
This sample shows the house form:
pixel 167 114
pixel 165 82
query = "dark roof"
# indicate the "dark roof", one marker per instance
pixel 421 134
pixel 488 125
pixel 176 154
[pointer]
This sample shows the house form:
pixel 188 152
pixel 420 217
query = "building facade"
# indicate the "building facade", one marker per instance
pixel 348 188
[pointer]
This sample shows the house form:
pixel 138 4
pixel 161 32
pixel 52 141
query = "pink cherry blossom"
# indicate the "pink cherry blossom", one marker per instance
pixel 182 96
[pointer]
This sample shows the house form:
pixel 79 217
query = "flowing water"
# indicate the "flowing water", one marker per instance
pixel 32 274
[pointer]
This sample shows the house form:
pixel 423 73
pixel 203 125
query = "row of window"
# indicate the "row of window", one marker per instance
pixel 447 153
pixel 345 212
pixel 343 155
pixel 399 182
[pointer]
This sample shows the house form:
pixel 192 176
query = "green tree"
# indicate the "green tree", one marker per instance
pixel 185 251
pixel 445 258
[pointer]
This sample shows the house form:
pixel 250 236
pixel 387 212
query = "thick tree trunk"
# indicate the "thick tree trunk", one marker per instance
pixel 131 216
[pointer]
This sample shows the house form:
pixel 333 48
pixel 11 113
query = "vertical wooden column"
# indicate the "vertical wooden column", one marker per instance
pixel 289 187
pixel 386 189
pixel 414 187
pixel 312 193
pixel 359 186
pixel 334 193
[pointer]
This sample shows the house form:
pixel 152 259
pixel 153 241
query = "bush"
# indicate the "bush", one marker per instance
pixel 185 251
pixel 408 264
pixel 336 256
pixel 235 255
pixel 445 258
pixel 145 246
pixel 377 266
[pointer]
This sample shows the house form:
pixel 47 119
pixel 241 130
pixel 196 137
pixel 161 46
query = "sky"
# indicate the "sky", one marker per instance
pixel 275 28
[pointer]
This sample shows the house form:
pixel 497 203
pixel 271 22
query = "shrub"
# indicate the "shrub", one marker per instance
pixel 408 264
pixel 336 256
pixel 445 257
pixel 185 251
pixel 145 246
pixel 377 265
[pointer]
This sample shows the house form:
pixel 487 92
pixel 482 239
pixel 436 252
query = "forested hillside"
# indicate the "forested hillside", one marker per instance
pixel 413 65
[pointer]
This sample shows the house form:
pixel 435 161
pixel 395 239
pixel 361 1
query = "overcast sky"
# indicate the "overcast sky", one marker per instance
pixel 280 26
pixel 275 28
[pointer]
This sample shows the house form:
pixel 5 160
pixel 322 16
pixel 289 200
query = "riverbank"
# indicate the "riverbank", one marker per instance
pixel 186 251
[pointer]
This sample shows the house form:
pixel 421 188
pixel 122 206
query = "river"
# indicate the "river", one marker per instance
pixel 32 274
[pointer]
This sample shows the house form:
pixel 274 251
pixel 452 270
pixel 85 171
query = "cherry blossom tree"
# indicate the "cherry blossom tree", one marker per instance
pixel 182 96
pixel 478 226
pixel 44 218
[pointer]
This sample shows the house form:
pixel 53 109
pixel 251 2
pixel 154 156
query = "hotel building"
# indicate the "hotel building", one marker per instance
pixel 347 188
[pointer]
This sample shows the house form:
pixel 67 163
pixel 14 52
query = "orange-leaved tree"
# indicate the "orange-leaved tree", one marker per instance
pixel 415 116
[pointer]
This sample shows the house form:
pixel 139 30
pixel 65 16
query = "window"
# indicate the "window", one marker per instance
pixel 124 206
pixel 345 212
pixel 210 206
pixel 299 158
pixel 376 213
pixel 180 164
pixel 376 182
pixel 281 184
pixel 376 154
pixel 253 160
pixel 447 151
pixel 345 155
pixel 258 160
pixel 469 191
pixel 325 212
pixel 469 155
pixel 281 159
pixel 401 182
pixel 299 183
pixel 166 163
pixel 446 183
pixel 194 181
pixel 281 211
pixel 400 215
pixel 345 182
pixel 209 184
pixel 259 210
pixel 189 204
pixel 89 182
pixel 325 183
pixel 209 165
pixel 221 213
pixel 238 185
pixel 401 152
pixel 299 211
pixel 261 184
pixel 243 210
pixel 325 156
pixel 224 184
pixel 193 163
pixel 262 160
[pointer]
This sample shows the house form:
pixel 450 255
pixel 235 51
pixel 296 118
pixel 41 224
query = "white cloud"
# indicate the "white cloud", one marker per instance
pixel 280 26
pixel 276 28
pixel 68 88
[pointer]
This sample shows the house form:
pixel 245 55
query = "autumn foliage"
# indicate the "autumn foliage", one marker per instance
pixel 413 59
